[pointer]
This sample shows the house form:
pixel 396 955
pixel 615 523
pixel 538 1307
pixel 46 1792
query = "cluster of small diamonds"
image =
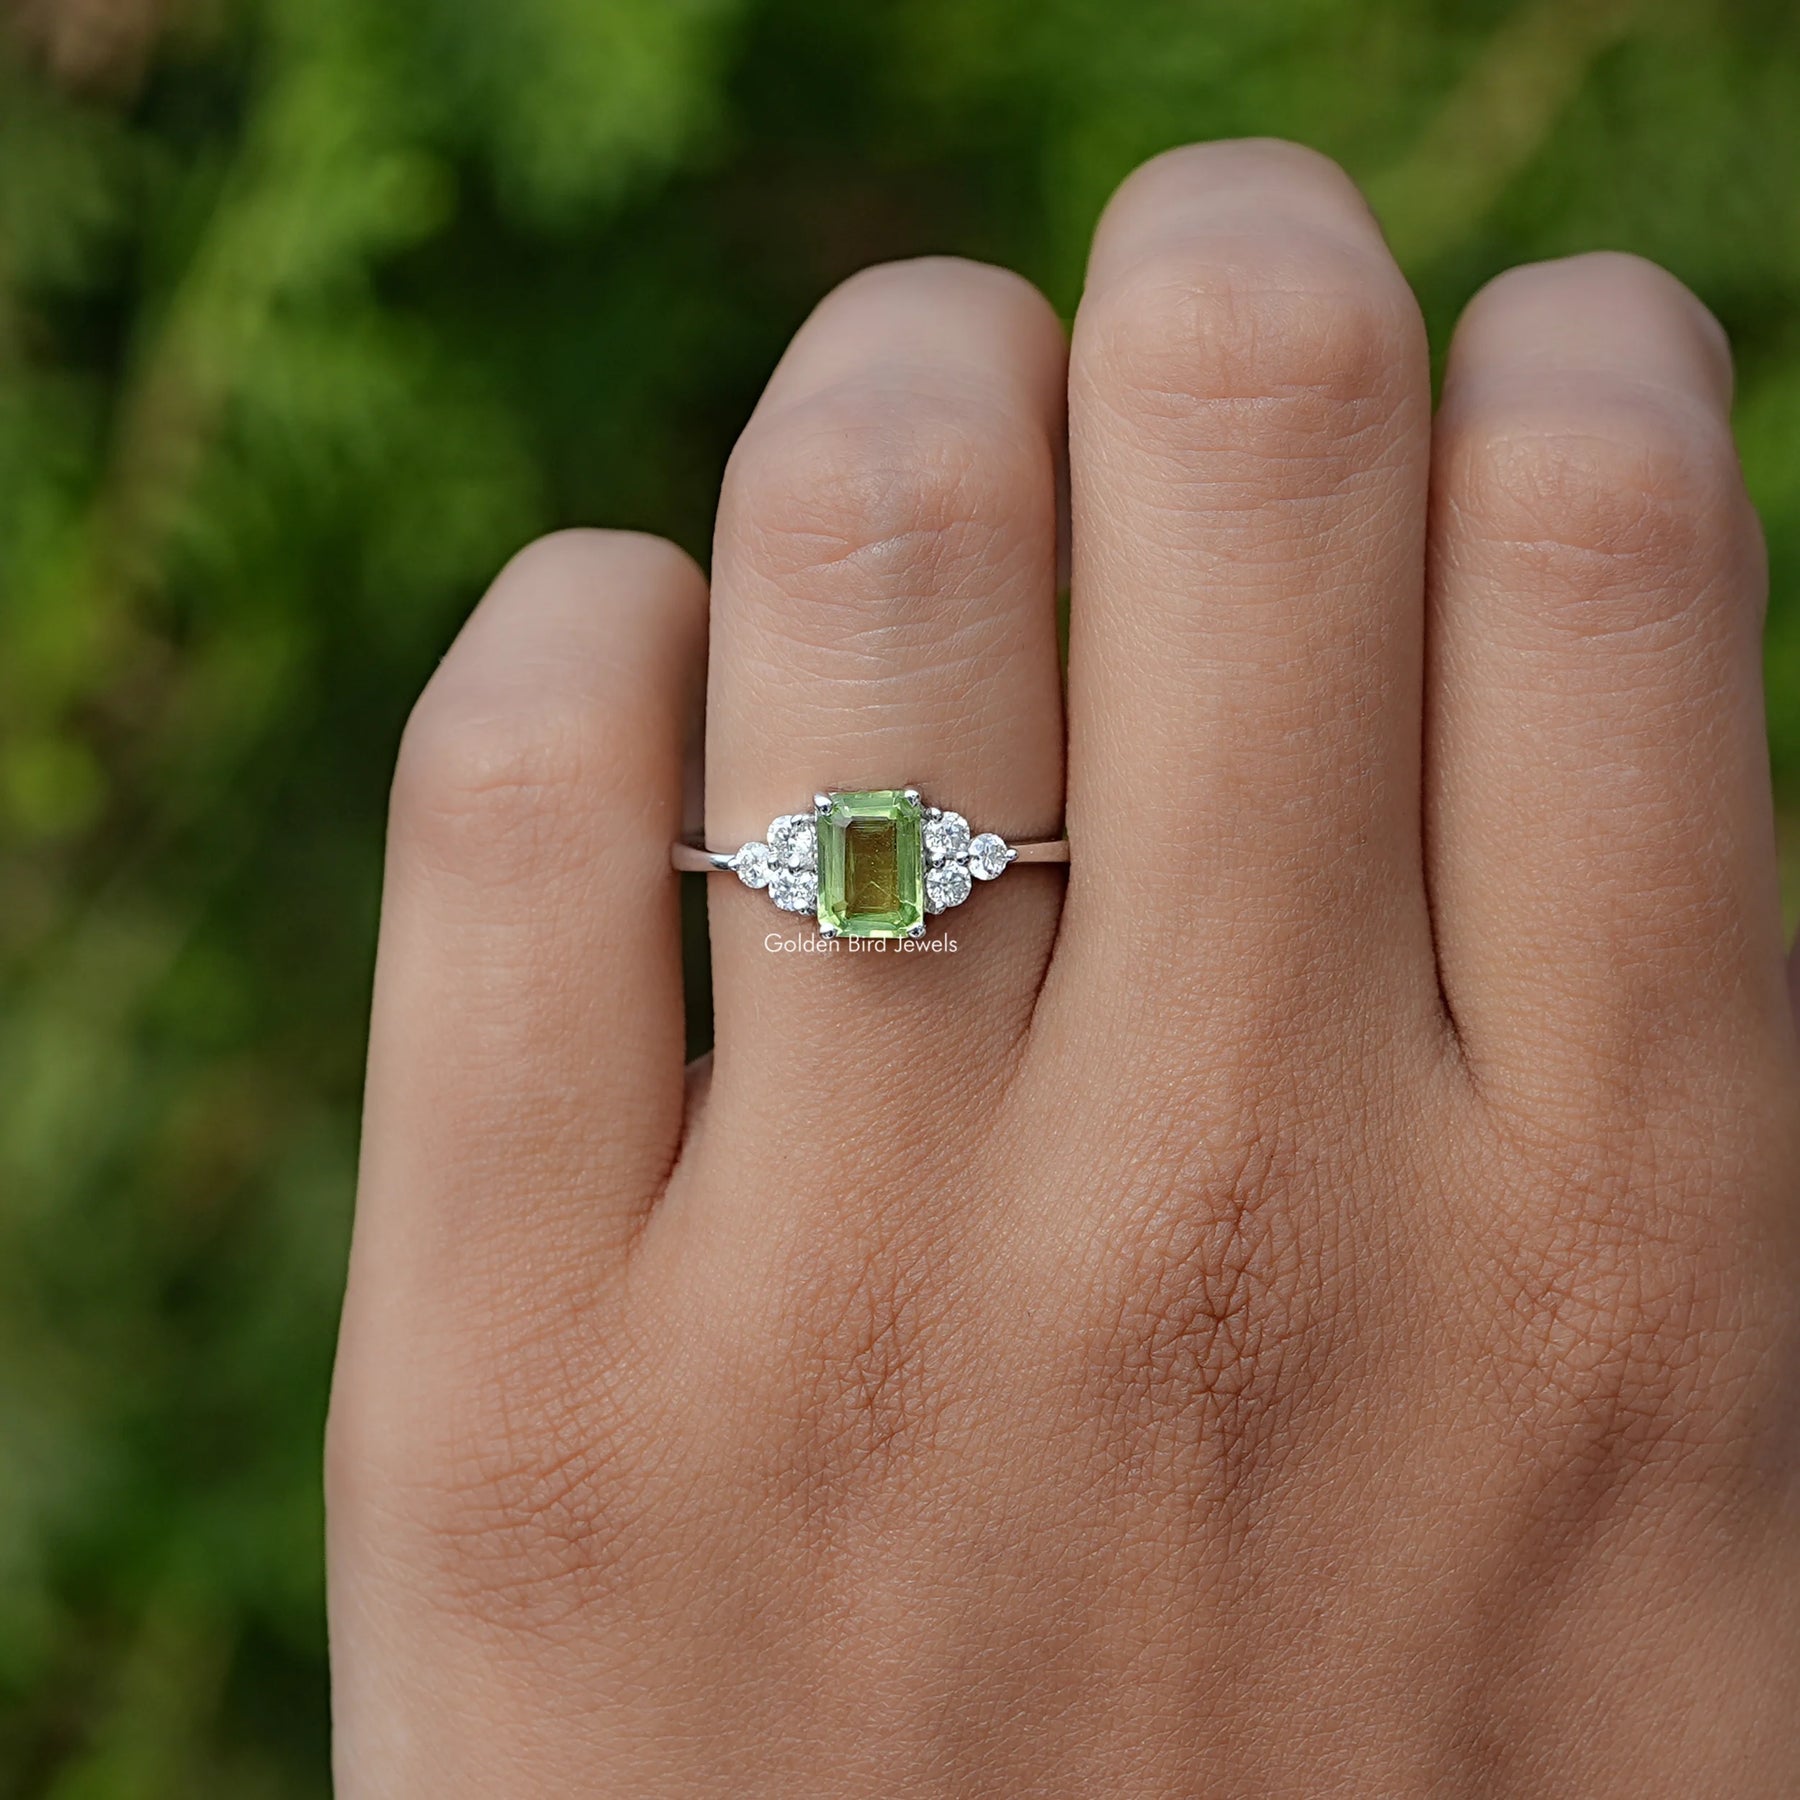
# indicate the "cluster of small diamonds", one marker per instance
pixel 787 865
pixel 956 861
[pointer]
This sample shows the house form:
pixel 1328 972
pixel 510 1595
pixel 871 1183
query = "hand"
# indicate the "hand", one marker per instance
pixel 1303 1305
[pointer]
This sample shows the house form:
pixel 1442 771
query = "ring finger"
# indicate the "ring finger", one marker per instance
pixel 884 617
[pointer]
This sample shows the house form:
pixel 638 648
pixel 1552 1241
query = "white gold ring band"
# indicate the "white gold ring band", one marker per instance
pixel 869 863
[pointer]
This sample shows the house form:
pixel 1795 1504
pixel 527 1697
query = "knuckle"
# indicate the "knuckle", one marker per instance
pixel 930 280
pixel 497 755
pixel 866 1354
pixel 1626 285
pixel 583 558
pixel 1622 1276
pixel 518 1503
pixel 1180 168
pixel 870 493
pixel 1601 502
pixel 1302 339
pixel 1208 1330
pixel 483 788
pixel 1627 270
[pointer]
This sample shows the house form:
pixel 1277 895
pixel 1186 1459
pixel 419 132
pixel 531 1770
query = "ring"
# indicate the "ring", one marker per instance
pixel 869 864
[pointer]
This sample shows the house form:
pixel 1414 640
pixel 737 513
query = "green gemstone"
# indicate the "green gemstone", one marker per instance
pixel 871 865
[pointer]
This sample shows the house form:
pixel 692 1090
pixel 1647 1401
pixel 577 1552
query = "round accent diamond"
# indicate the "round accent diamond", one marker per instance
pixel 794 838
pixel 795 890
pixel 946 837
pixel 946 886
pixel 754 865
pixel 988 856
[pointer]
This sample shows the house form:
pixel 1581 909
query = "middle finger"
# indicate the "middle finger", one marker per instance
pixel 1249 439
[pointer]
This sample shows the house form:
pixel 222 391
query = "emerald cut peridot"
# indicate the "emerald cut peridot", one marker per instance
pixel 871 864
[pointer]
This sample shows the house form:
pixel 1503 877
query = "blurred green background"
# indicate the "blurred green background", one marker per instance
pixel 313 310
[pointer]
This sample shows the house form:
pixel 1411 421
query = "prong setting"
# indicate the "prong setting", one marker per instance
pixel 937 865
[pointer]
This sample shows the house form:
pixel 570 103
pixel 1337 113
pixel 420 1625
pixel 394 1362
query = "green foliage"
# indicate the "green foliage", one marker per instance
pixel 310 311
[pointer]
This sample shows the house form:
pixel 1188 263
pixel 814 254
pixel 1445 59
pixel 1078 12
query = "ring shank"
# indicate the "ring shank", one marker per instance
pixel 696 859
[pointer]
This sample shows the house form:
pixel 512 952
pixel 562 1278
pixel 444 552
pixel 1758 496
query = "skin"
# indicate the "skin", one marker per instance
pixel 1302 1304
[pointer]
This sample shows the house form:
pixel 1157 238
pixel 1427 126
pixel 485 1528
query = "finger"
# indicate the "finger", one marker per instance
pixel 884 616
pixel 525 1068
pixel 1249 441
pixel 1601 827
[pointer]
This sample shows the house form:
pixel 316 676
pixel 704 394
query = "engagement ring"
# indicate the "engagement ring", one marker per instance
pixel 870 864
